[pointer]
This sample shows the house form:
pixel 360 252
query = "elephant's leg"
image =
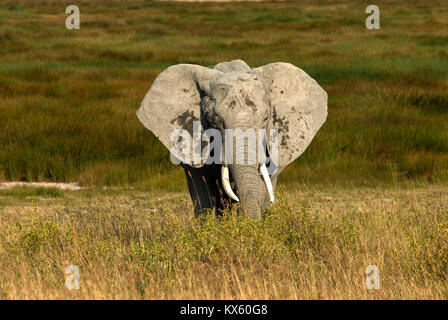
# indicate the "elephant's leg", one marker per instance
pixel 203 190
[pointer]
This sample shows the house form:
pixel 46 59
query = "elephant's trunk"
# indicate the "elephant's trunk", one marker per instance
pixel 250 188
pixel 249 185
pixel 252 181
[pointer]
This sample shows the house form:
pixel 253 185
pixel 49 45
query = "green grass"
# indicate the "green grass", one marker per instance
pixel 25 192
pixel 68 98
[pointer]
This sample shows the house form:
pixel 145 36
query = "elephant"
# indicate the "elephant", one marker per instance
pixel 277 97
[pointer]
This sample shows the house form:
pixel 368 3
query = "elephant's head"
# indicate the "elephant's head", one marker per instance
pixel 231 95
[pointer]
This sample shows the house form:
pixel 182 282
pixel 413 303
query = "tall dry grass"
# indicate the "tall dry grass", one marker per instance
pixel 313 244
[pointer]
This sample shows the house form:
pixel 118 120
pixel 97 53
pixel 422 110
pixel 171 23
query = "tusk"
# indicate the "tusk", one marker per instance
pixel 267 181
pixel 226 183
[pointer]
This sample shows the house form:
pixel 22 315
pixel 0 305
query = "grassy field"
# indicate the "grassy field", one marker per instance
pixel 314 244
pixel 372 188
pixel 69 97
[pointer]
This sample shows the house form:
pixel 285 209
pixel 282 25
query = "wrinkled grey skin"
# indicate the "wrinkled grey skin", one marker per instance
pixel 231 95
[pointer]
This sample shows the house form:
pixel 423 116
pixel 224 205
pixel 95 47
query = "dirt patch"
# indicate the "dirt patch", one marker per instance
pixel 57 185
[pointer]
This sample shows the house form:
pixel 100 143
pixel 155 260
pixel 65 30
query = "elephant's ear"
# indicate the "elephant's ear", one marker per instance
pixel 298 107
pixel 173 102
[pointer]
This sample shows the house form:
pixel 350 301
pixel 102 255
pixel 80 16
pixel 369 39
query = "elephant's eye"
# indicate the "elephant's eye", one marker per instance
pixel 206 102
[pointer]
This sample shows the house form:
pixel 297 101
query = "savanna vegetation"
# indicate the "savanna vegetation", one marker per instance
pixel 370 190
pixel 313 244
pixel 68 97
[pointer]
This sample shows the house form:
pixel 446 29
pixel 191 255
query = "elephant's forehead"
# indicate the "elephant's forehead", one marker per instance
pixel 235 78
